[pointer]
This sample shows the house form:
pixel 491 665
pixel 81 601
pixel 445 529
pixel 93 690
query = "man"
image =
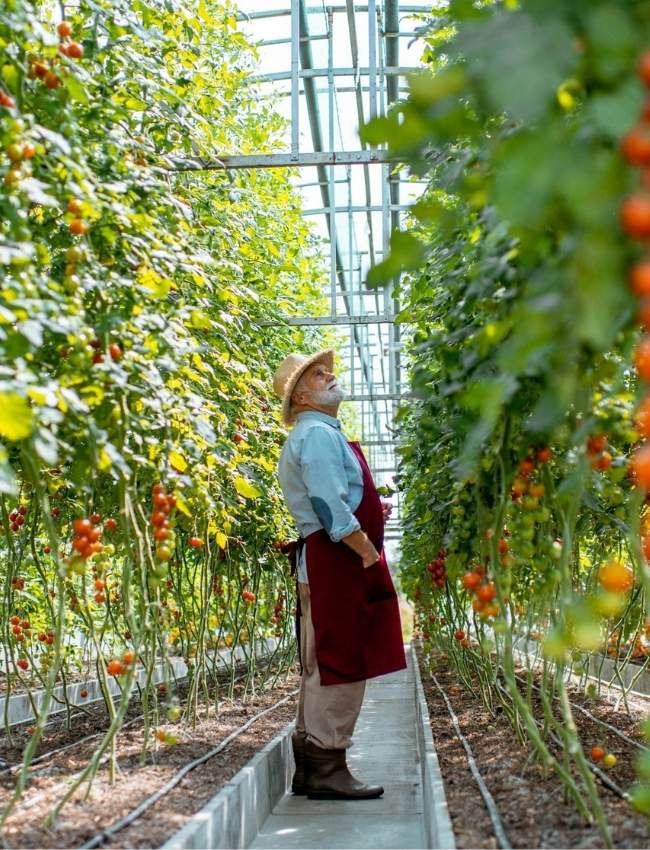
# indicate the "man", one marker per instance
pixel 350 627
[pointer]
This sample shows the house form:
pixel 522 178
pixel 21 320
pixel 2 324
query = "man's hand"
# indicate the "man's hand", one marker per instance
pixel 360 543
pixel 387 510
pixel 371 557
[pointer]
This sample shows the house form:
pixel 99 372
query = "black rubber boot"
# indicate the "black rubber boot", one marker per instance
pixel 328 777
pixel 298 740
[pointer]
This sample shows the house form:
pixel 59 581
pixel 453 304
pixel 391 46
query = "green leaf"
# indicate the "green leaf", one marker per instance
pixel 379 130
pixel 602 299
pixel 613 41
pixel 245 488
pixel 426 88
pixel 75 89
pixel 16 417
pixel 616 112
pixel 177 461
pixel 519 60
pixel 406 252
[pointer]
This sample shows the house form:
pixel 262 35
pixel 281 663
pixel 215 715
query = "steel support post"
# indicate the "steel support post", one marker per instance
pixel 354 47
pixel 313 112
pixel 332 187
pixel 295 81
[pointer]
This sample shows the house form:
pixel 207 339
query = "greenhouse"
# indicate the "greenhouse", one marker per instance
pixel 324 460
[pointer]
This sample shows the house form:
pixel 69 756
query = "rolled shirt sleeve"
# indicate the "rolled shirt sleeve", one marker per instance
pixel 325 478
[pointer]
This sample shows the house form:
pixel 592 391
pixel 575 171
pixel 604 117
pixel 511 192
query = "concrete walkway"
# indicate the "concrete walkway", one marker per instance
pixel 385 752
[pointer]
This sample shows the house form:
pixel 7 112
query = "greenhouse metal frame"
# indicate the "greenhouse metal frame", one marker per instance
pixel 373 369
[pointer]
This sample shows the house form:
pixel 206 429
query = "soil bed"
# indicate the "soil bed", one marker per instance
pixel 531 805
pixel 81 818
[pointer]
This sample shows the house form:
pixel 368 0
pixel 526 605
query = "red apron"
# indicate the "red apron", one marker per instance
pixel 354 609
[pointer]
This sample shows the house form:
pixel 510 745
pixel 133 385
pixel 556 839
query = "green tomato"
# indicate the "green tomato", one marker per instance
pixel 609 604
pixel 71 283
pixel 616 496
pixel 173 713
pixel 75 254
pixel 554 647
pixel 587 635
pixel 640 798
pixel 643 765
pixel 527 551
pixel 77 565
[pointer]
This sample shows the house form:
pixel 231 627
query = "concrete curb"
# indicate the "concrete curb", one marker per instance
pixel 527 649
pixel 234 816
pixel 20 707
pixel 438 831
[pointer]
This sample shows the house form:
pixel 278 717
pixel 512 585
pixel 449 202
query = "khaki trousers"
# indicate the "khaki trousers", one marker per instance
pixel 326 714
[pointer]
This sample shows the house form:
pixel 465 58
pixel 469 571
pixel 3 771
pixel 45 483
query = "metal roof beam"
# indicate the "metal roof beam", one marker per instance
pixel 287 160
pixel 354 47
pixel 313 112
pixel 318 10
pixel 317 321
pixel 392 72
pixel 379 397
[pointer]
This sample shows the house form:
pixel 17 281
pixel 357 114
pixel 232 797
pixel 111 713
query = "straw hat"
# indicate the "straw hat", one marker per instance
pixel 290 371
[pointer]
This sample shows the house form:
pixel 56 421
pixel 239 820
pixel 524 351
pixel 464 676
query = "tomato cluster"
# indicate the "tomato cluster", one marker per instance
pixel 436 568
pixel 483 591
pixel 47 72
pixel 87 536
pixel 115 667
pixel 277 611
pixel 635 219
pixel 17 518
pixel 163 504
pixel 597 454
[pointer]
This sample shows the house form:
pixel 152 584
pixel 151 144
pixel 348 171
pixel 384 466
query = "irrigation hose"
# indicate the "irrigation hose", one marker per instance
pixel 7 767
pixel 177 778
pixel 609 783
pixel 597 771
pixel 598 721
pixel 488 799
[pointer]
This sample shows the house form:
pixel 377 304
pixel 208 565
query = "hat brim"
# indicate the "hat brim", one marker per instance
pixel 327 357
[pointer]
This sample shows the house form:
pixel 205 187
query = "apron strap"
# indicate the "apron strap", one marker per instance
pixel 293 550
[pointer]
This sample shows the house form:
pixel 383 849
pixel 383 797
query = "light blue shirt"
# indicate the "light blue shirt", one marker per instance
pixel 321 479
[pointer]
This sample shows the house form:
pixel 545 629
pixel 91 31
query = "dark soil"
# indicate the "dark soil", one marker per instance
pixel 81 818
pixel 532 805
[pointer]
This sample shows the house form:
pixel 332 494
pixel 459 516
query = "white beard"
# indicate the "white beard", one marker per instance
pixel 328 397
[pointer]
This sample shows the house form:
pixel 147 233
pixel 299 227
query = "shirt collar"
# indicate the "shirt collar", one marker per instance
pixel 317 414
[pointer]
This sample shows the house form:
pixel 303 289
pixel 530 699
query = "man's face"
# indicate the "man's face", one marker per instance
pixel 319 386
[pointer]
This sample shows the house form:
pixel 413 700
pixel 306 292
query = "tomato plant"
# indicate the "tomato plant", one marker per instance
pixel 519 271
pixel 137 293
